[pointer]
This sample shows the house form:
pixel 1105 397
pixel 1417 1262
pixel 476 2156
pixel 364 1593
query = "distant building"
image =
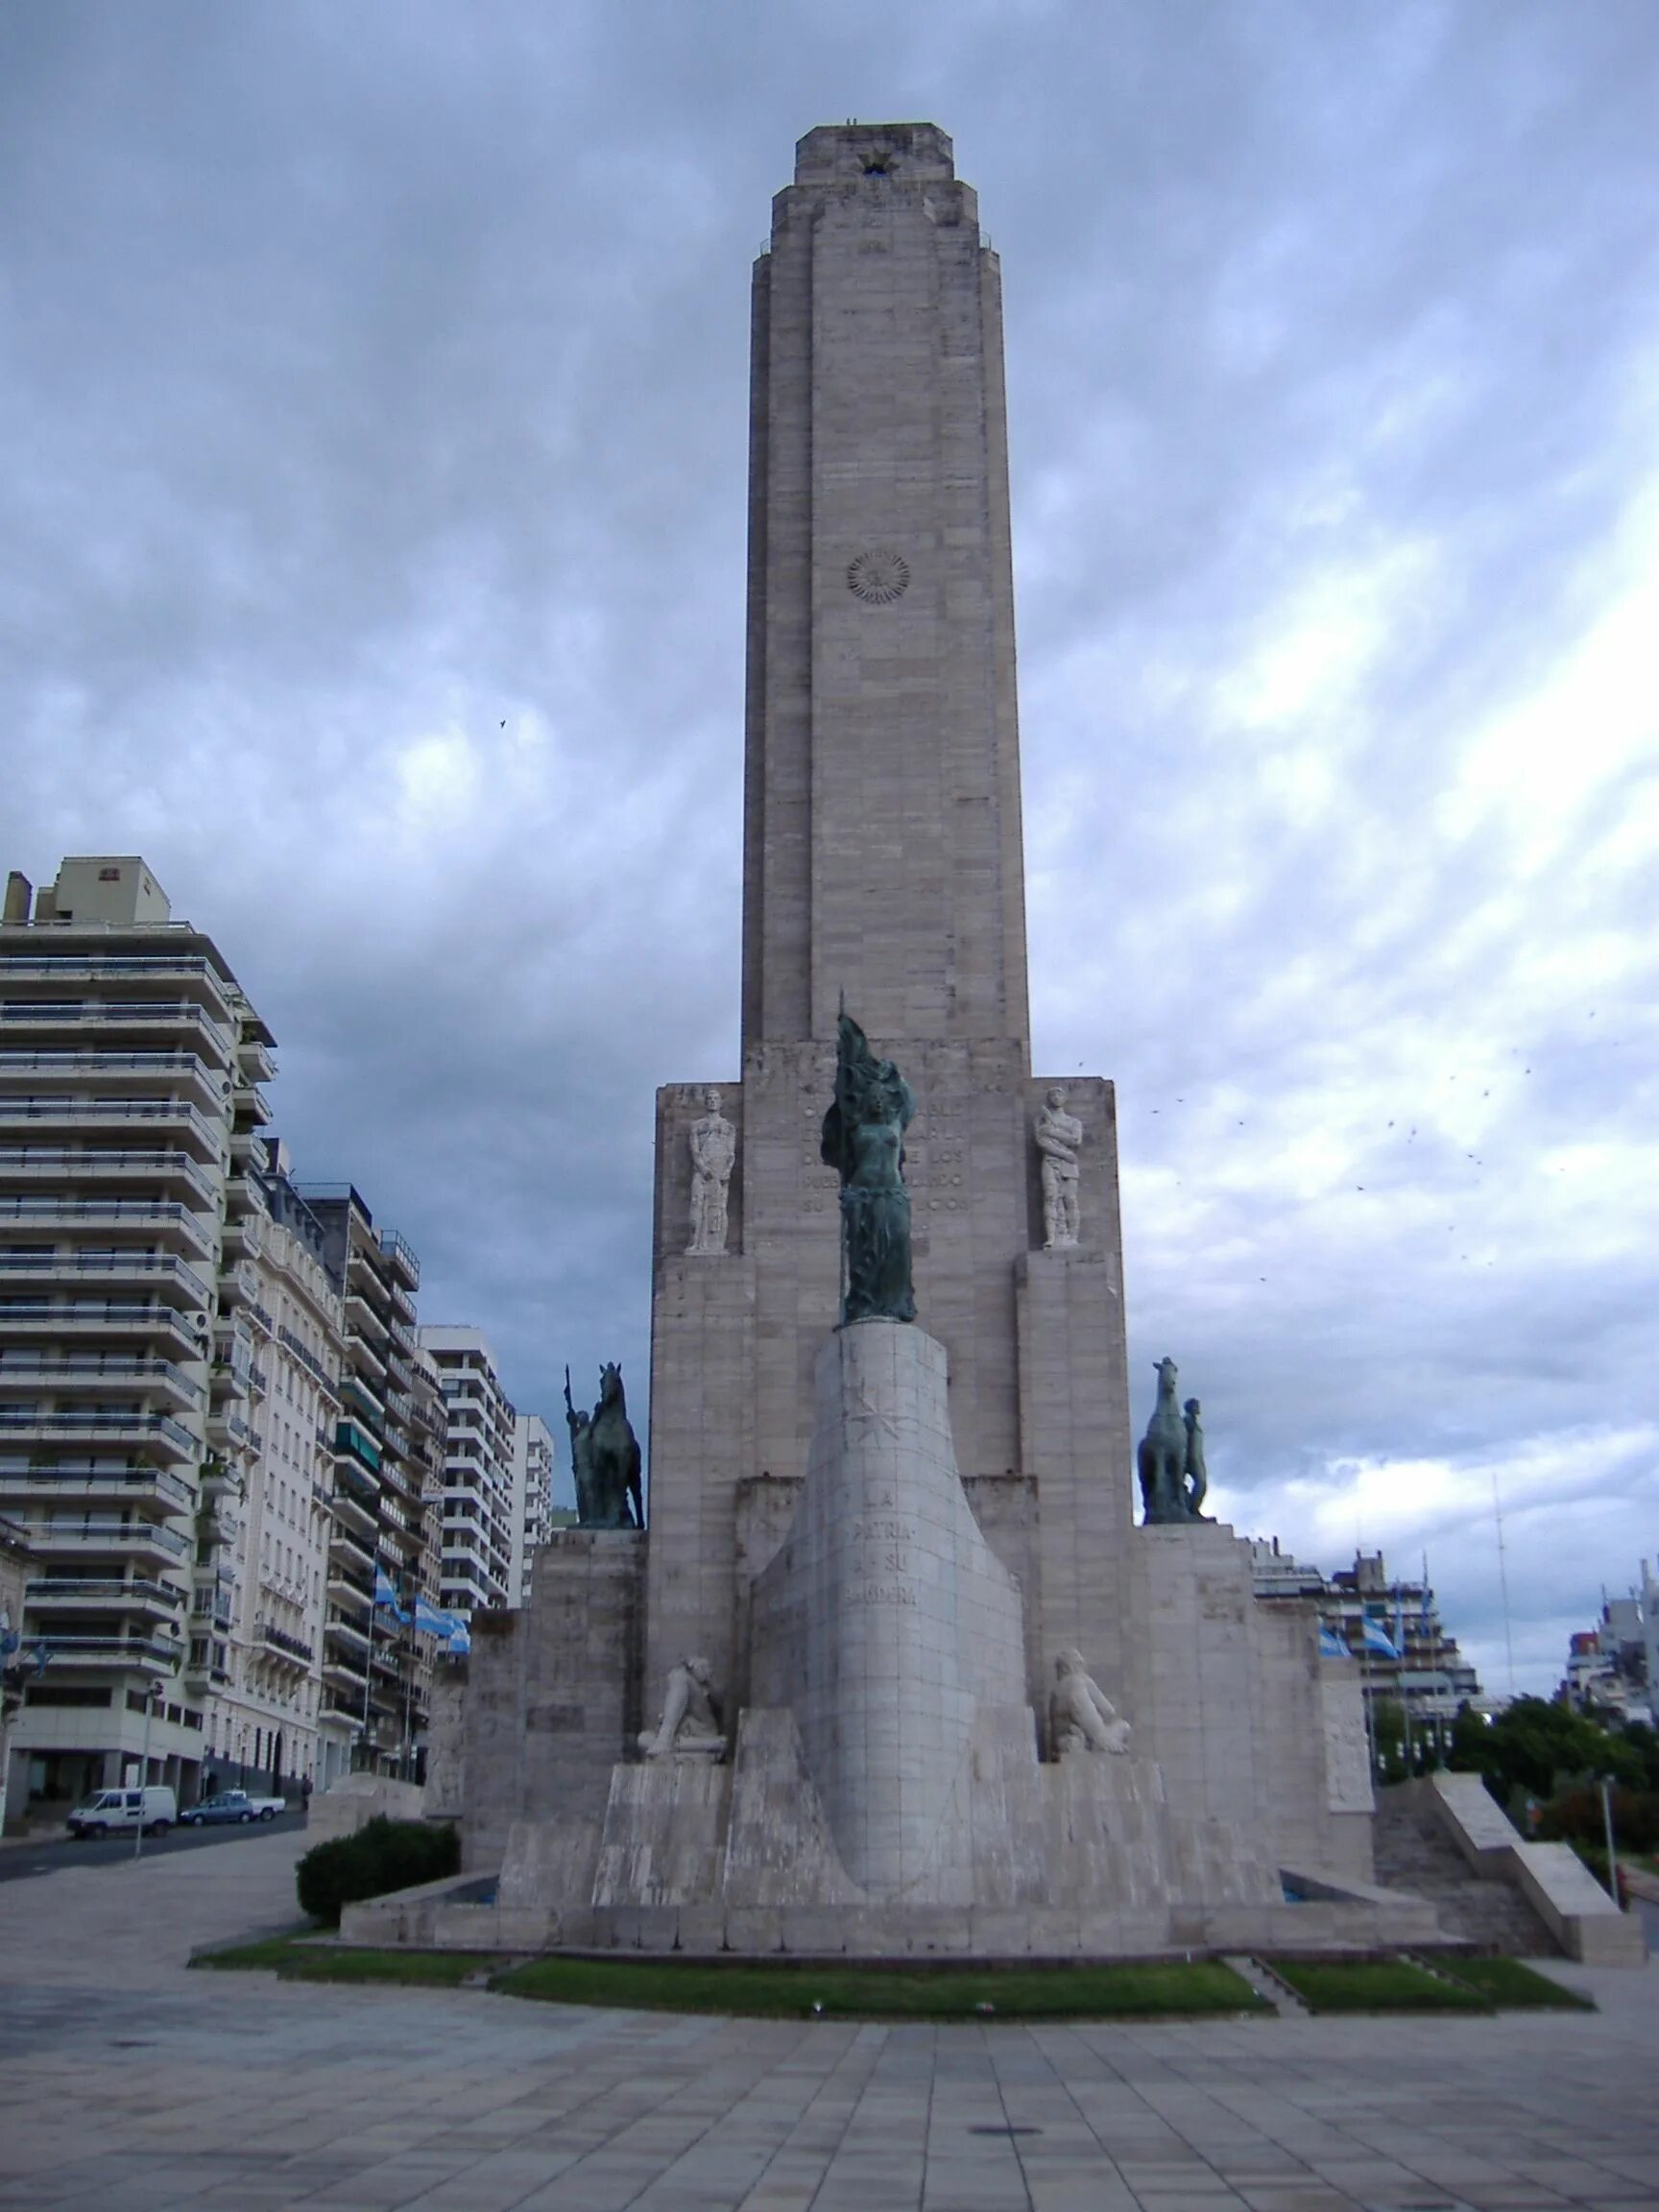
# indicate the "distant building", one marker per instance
pixel 482 1531
pixel 1390 1629
pixel 277 1358
pixel 131 1062
pixel 377 1671
pixel 1614 1665
pixel 532 1497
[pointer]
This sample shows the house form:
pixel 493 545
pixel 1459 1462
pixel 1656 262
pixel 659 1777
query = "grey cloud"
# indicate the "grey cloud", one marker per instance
pixel 374 392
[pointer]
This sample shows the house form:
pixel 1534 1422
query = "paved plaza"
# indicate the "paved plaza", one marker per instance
pixel 128 2081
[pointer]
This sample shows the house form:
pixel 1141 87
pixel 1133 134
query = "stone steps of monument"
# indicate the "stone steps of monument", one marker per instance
pixel 1414 1852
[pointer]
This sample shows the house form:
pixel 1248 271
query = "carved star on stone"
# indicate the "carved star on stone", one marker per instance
pixel 864 1410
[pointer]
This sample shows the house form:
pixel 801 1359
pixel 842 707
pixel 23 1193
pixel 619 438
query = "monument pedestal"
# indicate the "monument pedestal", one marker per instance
pixel 885 1624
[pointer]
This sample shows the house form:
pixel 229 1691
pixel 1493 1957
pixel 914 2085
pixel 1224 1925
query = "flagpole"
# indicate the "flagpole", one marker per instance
pixel 369 1673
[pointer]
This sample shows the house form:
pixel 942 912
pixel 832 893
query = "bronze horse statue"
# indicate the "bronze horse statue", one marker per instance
pixel 605 1457
pixel 1164 1454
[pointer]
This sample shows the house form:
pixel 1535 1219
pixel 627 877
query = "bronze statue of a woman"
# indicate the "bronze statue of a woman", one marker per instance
pixel 864 1142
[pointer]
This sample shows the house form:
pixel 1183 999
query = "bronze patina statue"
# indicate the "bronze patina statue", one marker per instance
pixel 605 1457
pixel 863 1140
pixel 1170 1459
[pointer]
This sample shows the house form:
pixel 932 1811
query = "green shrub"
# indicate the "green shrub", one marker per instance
pixel 1575 1816
pixel 382 1856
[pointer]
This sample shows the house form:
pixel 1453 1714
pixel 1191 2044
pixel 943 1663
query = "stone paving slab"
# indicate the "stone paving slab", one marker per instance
pixel 127 2081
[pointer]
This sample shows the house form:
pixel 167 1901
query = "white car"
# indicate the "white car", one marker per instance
pixel 231 1806
pixel 109 1812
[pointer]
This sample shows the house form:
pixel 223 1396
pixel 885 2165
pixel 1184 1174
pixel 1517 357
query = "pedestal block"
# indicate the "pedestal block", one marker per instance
pixel 885 1622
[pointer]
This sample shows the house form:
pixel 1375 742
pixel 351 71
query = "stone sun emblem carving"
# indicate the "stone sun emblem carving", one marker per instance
pixel 879 578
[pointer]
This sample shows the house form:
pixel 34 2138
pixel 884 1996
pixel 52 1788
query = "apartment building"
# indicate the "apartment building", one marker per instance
pixel 130 1063
pixel 263 1725
pixel 532 1499
pixel 481 1525
pixel 376 1673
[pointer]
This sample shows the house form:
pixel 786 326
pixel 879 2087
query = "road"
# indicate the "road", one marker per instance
pixel 19 1861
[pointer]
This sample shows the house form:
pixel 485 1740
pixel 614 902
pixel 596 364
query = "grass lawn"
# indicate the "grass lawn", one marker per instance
pixel 1514 1988
pixel 1153 1991
pixel 1374 1986
pixel 296 1959
pixel 1142 1991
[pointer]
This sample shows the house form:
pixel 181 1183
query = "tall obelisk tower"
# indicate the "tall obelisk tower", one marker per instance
pixel 882 861
pixel 881 835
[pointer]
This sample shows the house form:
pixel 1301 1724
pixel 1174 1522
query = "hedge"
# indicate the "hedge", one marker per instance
pixel 382 1856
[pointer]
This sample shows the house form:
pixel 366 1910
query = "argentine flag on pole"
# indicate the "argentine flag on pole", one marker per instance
pixel 1375 1638
pixel 386 1594
pixel 1331 1645
pixel 431 1622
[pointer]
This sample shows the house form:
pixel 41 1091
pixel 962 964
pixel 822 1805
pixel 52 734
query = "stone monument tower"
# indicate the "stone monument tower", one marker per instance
pixel 891 1594
pixel 883 865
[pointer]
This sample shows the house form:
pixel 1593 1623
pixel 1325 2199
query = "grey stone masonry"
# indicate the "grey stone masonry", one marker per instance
pixel 885 1622
pixel 883 845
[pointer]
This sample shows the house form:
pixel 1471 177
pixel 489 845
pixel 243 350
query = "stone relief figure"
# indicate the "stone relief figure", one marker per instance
pixel 713 1155
pixel 692 1726
pixel 863 1139
pixel 1081 1717
pixel 1162 1455
pixel 1197 1485
pixel 1059 1136
pixel 605 1457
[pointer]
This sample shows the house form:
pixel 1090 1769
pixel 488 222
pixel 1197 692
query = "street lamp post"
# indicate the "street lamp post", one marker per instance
pixel 150 1698
pixel 1607 1825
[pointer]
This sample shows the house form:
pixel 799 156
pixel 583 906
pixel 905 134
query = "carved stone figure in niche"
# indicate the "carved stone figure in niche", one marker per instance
pixel 605 1457
pixel 692 1725
pixel 1162 1455
pixel 863 1139
pixel 713 1155
pixel 1081 1717
pixel 1059 1137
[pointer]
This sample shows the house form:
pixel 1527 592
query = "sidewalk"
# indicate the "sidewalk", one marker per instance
pixel 130 2081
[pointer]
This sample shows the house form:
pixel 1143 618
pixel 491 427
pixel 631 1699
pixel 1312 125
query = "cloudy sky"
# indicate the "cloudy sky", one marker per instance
pixel 372 395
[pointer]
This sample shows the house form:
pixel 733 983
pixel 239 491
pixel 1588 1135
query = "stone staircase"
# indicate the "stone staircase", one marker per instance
pixel 1413 1852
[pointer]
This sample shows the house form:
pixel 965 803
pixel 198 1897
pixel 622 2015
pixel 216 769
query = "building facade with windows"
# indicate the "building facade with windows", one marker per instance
pixel 1363 1610
pixel 533 1469
pixel 374 1707
pixel 481 1528
pixel 130 1064
pixel 263 1726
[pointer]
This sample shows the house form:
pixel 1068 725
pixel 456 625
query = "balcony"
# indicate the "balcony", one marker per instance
pixel 100 1316
pixel 152 1489
pixel 129 1070
pixel 96 1534
pixel 74 1018
pixel 108 1265
pixel 227 1431
pixel 356 1391
pixel 154 1654
pixel 351 1444
pixel 357 1513
pixel 23 1369
pixel 161 1218
pixel 173 1118
pixel 152 968
pixel 277 1642
pixel 253 1060
pixel 321 1376
pixel 340 1624
pixel 157 1432
pixel 89 1592
pixel 31 1163
pixel 348 1547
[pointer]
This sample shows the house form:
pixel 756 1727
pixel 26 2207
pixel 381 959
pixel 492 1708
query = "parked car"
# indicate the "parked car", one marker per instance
pixel 109 1812
pixel 232 1805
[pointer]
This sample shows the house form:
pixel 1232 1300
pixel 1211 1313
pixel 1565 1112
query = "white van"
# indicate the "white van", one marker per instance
pixel 108 1811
